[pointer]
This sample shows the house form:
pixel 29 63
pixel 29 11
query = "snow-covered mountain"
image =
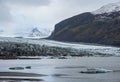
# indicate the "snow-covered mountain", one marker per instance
pixel 109 8
pixel 33 33
pixel 36 33
pixel 100 26
pixel 27 33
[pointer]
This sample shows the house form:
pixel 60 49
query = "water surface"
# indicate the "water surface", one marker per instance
pixel 66 70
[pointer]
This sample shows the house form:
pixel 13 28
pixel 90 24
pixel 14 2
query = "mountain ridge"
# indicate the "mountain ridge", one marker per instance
pixel 109 8
pixel 102 28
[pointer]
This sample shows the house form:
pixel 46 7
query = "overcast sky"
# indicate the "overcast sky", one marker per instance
pixel 19 15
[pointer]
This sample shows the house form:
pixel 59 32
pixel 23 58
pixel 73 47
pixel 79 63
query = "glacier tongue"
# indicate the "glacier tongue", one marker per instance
pixel 92 49
pixel 112 7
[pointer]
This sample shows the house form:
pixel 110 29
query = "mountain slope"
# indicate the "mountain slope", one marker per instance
pixel 91 27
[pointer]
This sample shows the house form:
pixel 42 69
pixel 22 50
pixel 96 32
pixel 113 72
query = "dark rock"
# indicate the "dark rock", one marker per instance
pixel 28 67
pixel 89 28
pixel 16 68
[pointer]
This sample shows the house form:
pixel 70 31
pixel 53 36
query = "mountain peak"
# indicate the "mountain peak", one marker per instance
pixel 35 29
pixel 35 33
pixel 109 8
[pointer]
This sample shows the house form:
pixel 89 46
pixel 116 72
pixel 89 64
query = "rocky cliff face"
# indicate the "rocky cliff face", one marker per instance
pixel 92 27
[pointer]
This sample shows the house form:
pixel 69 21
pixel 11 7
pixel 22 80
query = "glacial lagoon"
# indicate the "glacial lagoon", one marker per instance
pixel 62 70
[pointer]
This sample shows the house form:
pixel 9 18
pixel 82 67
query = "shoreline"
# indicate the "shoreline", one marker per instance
pixel 21 74
pixel 20 79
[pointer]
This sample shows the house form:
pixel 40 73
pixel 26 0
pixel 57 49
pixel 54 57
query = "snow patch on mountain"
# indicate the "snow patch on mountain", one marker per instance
pixel 112 7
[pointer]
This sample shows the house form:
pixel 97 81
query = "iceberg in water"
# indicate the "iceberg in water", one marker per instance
pixel 96 70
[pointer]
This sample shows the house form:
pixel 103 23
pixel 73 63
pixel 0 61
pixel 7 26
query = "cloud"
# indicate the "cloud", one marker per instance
pixel 5 15
pixel 19 15
pixel 6 9
pixel 11 16
pixel 28 2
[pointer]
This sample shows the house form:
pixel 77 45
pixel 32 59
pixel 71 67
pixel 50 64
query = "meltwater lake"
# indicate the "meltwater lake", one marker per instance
pixel 63 70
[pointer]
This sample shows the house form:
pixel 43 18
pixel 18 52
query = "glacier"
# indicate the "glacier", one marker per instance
pixel 81 47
